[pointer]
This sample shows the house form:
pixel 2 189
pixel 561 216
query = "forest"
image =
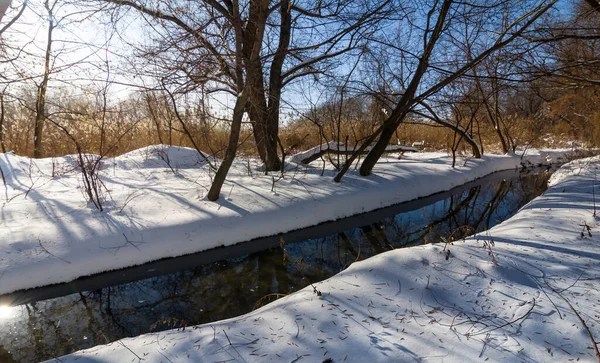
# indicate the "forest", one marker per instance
pixel 266 79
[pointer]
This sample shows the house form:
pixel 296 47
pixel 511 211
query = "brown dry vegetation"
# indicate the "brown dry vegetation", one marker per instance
pixel 525 131
pixel 147 120
pixel 130 125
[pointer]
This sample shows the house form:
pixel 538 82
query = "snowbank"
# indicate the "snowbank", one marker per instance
pixel 521 291
pixel 155 206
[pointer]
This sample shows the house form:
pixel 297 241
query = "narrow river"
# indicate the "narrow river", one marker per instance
pixel 226 282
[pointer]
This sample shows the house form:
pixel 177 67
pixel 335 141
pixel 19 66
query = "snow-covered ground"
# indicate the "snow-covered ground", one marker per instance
pixel 527 290
pixel 155 206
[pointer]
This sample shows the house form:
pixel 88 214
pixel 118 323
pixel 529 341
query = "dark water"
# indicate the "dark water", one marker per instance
pixel 206 287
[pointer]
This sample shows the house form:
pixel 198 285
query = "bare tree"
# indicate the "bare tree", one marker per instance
pixel 211 36
pixel 567 65
pixel 40 107
pixel 64 15
pixel 570 46
pixel 443 21
pixel 308 54
pixel 223 46
pixel 4 5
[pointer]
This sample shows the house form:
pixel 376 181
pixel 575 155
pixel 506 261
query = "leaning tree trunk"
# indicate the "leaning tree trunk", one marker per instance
pixel 248 52
pixel 474 146
pixel 234 137
pixel 464 135
pixel 408 98
pixel 388 131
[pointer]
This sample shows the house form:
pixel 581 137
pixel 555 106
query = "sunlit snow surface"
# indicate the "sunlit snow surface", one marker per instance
pixel 514 293
pixel 6 312
pixel 155 206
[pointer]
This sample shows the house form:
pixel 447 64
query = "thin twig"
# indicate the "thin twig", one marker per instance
pixel 227 336
pixel 231 344
pixel 507 323
pixel 126 347
pixel 167 358
pixel 595 345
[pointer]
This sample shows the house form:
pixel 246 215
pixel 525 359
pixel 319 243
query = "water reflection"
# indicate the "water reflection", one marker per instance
pixel 45 329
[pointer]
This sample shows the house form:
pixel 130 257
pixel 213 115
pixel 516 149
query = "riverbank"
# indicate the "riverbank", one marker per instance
pixel 155 207
pixel 526 290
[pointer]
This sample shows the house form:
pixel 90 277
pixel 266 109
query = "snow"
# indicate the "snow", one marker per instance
pixel 311 154
pixel 521 291
pixel 155 206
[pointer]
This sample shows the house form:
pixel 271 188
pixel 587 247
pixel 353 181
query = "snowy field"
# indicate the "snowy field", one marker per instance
pixel 155 206
pixel 526 291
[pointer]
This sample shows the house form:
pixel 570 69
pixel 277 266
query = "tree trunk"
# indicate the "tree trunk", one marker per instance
pixel 273 162
pixel 264 109
pixel 408 98
pixel 466 137
pixel 474 146
pixel 258 131
pixel 234 136
pixel 257 103
pixel 276 84
pixel 152 100
pixel 2 123
pixel 389 129
pixel 265 133
pixel 247 53
pixel 40 106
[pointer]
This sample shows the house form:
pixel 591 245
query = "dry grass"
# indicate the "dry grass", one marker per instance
pixel 132 126
pixel 524 131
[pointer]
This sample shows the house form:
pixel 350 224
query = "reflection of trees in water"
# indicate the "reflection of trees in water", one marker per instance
pixel 472 211
pixel 440 226
pixel 228 288
pixel 39 331
pixel 376 236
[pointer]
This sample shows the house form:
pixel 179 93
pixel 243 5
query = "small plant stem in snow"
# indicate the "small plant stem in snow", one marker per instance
pixel 585 326
pixel 126 347
pixel 594 192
